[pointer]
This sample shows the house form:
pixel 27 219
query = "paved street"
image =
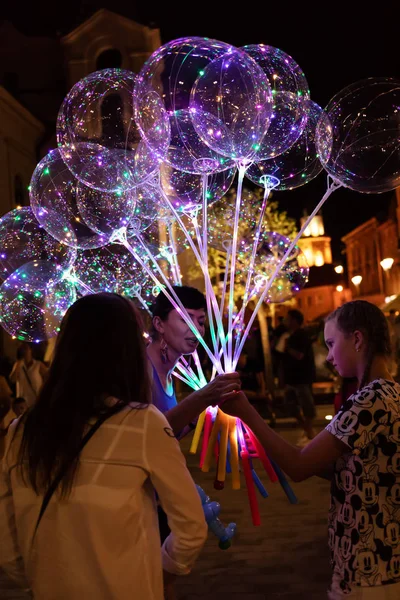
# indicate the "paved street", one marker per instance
pixel 284 559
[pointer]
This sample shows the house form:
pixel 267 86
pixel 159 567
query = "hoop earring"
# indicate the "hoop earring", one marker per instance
pixel 164 351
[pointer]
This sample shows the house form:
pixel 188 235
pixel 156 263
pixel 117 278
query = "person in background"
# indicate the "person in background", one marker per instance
pixel 299 374
pixel 28 374
pixel 358 452
pixel 87 457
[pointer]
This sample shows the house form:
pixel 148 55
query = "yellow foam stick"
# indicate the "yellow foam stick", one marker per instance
pixel 234 454
pixel 197 433
pixel 223 446
pixel 211 443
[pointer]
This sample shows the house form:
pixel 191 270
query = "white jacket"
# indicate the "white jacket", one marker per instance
pixel 103 541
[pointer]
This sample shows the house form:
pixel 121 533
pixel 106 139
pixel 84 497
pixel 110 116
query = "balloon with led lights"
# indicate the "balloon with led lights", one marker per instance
pixel 22 239
pixel 29 309
pixel 54 195
pixel 105 212
pixel 187 151
pixel 302 162
pixel 111 269
pixel 289 90
pixel 163 87
pixel 96 131
pixel 231 105
pixel 365 126
pixel 185 190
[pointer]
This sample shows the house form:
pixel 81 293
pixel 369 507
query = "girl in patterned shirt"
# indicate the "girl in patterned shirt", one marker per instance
pixel 359 451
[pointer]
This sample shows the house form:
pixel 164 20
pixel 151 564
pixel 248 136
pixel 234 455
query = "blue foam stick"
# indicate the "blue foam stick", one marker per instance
pixel 284 483
pixel 259 484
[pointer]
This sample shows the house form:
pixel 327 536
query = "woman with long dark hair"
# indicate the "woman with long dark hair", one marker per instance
pixel 77 505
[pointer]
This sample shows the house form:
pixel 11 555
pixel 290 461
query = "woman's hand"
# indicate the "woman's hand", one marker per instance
pixel 237 405
pixel 219 389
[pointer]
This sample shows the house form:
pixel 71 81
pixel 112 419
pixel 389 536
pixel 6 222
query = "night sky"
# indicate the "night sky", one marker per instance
pixel 336 43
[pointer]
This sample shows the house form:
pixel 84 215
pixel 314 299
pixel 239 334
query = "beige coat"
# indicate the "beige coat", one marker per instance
pixel 103 542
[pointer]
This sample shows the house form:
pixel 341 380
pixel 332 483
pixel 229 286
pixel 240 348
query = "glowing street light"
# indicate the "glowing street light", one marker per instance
pixel 339 269
pixel 387 263
pixel 339 288
pixel 356 280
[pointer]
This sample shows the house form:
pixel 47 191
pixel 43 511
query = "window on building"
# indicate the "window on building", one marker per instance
pixel 309 300
pixel 19 191
pixel 109 59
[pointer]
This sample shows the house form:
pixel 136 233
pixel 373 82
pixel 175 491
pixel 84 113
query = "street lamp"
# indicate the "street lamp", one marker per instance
pixel 356 280
pixel 339 288
pixel 387 263
pixel 339 269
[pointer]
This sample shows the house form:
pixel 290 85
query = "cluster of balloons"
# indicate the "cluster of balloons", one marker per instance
pixel 137 151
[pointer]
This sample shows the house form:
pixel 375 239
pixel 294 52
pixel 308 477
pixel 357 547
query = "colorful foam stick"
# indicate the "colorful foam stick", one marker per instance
pixel 211 512
pixel 285 484
pixel 259 452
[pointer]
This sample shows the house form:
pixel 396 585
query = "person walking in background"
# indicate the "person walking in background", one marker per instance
pixel 299 374
pixel 77 490
pixel 28 374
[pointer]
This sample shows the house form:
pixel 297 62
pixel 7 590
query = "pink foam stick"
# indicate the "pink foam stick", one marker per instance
pixel 251 491
pixel 262 456
pixel 206 437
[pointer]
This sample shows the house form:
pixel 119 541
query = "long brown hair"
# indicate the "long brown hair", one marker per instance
pixel 360 315
pixel 100 353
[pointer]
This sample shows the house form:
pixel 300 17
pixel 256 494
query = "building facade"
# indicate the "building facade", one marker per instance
pixel 372 252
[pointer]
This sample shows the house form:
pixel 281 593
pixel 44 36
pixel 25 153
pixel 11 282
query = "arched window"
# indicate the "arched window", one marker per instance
pixel 109 59
pixel 19 191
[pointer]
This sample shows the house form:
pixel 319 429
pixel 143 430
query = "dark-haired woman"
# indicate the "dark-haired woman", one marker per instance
pixel 359 451
pixel 171 339
pixel 78 514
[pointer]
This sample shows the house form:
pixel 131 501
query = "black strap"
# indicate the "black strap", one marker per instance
pixel 64 469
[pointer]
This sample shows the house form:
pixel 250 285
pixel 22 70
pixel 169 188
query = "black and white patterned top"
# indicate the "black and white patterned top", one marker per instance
pixel 364 517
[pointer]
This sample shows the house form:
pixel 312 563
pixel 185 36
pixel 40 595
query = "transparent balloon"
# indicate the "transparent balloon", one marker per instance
pixel 366 136
pixel 188 152
pixel 301 163
pixel 289 90
pixel 96 131
pixel 23 239
pixel 111 269
pixel 30 310
pixel 163 88
pixel 104 212
pixel 185 190
pixel 291 278
pixel 53 195
pixel 148 203
pixel 231 105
